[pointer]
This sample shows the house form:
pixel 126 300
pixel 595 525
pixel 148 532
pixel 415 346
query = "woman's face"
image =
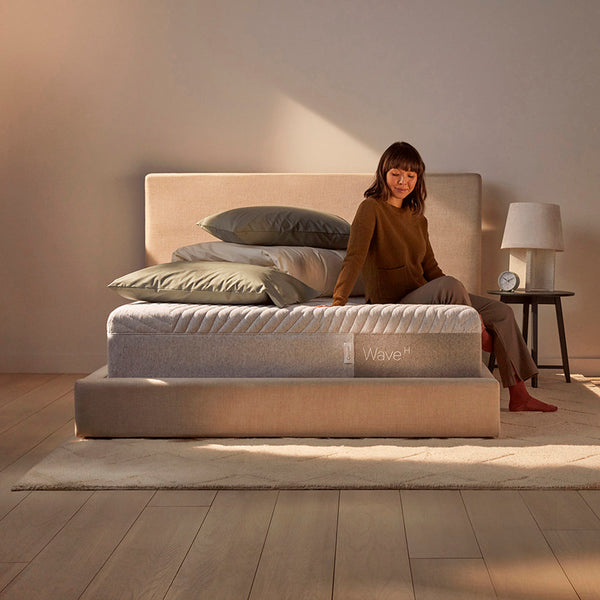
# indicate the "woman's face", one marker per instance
pixel 400 183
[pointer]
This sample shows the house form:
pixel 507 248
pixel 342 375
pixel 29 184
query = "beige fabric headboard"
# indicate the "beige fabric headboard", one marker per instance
pixel 176 202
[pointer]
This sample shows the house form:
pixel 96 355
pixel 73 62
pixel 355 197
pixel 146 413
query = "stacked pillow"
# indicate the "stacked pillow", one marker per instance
pixel 277 254
pixel 201 282
pixel 279 226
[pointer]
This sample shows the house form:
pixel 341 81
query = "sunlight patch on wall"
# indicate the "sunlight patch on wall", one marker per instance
pixel 487 225
pixel 301 140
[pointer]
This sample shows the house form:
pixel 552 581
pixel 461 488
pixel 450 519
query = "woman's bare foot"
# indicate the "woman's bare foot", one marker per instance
pixel 520 399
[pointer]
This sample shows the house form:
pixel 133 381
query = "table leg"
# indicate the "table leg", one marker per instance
pixel 563 339
pixel 534 340
pixel 525 328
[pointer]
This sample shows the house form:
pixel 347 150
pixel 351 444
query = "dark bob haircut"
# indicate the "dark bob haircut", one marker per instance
pixel 400 155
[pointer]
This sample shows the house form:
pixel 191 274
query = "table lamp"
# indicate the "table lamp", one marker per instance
pixel 533 233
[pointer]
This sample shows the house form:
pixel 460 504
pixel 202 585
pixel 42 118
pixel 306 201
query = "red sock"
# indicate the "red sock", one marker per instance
pixel 486 341
pixel 486 338
pixel 521 400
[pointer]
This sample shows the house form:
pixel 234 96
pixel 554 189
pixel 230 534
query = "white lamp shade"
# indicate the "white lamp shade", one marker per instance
pixel 533 225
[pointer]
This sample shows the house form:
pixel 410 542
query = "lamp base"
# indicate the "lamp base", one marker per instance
pixel 535 268
pixel 540 271
pixel 517 263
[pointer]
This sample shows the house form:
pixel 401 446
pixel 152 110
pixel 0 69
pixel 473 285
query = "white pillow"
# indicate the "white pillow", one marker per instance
pixel 316 267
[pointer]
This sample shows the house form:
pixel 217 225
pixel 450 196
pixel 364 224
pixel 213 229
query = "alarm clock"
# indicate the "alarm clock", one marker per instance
pixel 508 281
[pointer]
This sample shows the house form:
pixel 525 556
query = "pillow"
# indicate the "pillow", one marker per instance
pixel 278 226
pixel 201 282
pixel 316 267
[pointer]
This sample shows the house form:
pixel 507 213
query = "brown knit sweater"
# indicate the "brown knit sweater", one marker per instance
pixel 391 246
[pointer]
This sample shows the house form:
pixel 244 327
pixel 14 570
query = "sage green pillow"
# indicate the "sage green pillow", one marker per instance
pixel 205 282
pixel 279 226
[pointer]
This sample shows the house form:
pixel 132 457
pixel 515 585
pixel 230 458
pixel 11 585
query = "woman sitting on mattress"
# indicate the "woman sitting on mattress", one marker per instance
pixel 389 243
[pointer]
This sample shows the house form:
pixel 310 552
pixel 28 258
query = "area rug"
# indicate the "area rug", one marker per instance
pixel 535 451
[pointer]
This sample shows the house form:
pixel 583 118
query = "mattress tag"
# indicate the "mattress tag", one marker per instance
pixel 348 353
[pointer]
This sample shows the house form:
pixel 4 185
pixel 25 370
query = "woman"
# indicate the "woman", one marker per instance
pixel 389 243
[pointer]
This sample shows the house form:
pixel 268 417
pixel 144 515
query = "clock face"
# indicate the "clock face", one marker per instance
pixel 508 281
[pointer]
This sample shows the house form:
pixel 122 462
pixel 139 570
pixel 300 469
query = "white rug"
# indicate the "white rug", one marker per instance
pixel 543 451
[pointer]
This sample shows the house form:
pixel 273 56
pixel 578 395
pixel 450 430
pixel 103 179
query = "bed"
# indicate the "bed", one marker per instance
pixel 299 370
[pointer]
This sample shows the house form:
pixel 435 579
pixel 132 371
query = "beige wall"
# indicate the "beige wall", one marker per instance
pixel 97 93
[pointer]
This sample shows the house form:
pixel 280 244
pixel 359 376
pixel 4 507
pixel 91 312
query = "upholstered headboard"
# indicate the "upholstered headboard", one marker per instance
pixel 176 202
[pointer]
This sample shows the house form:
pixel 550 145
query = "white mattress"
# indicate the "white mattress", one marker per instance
pixel 357 340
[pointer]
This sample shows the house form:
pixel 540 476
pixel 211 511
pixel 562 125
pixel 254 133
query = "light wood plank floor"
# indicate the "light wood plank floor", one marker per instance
pixel 342 545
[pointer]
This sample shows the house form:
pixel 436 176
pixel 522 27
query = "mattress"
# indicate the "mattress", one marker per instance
pixel 162 340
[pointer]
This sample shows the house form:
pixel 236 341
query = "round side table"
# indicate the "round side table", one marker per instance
pixel 531 300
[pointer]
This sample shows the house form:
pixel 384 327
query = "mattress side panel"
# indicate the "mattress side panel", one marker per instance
pixel 228 355
pixel 175 340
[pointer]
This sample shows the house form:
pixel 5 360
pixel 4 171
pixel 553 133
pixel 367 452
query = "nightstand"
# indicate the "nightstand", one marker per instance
pixel 531 300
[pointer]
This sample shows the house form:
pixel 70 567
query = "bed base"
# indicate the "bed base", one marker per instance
pixel 287 407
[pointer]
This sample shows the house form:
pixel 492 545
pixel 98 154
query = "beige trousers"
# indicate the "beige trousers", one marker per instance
pixel 510 348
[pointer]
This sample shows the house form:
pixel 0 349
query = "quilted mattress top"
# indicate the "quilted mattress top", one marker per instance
pixel 166 318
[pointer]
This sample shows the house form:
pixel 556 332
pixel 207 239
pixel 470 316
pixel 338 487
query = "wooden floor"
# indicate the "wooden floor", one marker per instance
pixel 538 545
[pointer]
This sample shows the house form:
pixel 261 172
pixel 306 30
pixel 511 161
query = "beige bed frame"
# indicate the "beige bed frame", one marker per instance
pixel 281 407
